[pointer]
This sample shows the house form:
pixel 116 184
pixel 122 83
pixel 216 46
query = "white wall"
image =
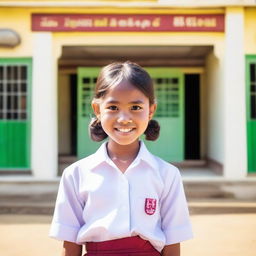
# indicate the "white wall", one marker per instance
pixel 215 104
pixel 203 116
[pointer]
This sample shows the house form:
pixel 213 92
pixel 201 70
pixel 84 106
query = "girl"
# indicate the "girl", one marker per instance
pixel 122 200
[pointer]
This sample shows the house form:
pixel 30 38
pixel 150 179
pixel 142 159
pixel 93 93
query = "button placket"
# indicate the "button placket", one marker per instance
pixel 125 197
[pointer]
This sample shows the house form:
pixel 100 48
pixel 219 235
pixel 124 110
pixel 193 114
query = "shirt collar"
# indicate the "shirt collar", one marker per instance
pixel 146 156
pixel 101 156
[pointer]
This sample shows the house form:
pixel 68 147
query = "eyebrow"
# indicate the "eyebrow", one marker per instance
pixel 132 102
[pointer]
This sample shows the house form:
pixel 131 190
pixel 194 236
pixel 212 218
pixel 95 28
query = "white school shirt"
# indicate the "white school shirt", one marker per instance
pixel 97 202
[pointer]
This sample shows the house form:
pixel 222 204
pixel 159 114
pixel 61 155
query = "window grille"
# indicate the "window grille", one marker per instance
pixel 13 92
pixel 252 91
pixel 87 95
pixel 167 93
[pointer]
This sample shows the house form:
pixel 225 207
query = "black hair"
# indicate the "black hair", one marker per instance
pixel 112 75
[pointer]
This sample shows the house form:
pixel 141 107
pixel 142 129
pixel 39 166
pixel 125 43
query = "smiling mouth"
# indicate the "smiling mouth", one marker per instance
pixel 126 130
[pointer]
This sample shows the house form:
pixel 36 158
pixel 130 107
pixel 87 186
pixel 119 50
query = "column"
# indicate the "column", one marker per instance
pixel 235 150
pixel 44 108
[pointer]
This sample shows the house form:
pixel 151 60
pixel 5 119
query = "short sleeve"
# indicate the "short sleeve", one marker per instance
pixel 67 217
pixel 174 210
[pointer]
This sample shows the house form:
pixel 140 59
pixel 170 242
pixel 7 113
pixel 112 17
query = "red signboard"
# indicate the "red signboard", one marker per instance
pixel 128 22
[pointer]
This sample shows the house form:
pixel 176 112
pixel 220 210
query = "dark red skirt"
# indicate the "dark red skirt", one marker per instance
pixel 125 246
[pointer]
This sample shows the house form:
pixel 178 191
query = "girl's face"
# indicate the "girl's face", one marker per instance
pixel 124 113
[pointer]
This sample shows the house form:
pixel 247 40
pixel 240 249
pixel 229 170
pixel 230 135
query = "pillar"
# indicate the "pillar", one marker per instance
pixel 235 150
pixel 44 108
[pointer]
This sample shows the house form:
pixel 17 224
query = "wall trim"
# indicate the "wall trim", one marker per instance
pixel 161 3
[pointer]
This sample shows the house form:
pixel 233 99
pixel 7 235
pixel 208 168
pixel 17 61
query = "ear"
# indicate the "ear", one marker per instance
pixel 152 110
pixel 96 109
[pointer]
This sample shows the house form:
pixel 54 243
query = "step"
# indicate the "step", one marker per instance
pixel 39 197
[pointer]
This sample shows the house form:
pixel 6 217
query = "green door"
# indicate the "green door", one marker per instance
pixel 169 88
pixel 251 111
pixel 86 81
pixel 15 119
pixel 170 112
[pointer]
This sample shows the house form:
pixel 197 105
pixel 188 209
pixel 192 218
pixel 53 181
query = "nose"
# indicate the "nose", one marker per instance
pixel 124 118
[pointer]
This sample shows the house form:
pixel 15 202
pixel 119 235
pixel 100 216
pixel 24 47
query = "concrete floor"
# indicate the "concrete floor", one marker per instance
pixel 223 216
pixel 214 234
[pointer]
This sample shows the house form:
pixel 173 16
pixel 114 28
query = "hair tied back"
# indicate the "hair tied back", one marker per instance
pixel 153 130
pixel 96 131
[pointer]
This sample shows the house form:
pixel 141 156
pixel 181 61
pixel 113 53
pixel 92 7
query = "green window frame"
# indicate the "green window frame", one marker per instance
pixel 15 113
pixel 168 97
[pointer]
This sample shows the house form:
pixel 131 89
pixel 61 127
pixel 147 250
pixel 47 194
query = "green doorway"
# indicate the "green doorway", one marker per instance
pixel 86 81
pixel 251 111
pixel 169 86
pixel 15 113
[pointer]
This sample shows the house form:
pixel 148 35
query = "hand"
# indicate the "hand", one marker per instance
pixel 171 250
pixel 71 249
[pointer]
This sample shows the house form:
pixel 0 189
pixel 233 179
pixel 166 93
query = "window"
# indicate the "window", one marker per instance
pixel 167 92
pixel 13 92
pixel 87 95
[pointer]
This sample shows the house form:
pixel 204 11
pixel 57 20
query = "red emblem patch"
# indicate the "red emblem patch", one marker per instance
pixel 150 206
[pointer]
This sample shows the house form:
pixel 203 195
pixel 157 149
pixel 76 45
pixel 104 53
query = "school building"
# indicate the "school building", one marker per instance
pixel 201 55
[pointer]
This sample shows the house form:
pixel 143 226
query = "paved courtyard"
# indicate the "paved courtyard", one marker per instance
pixel 218 234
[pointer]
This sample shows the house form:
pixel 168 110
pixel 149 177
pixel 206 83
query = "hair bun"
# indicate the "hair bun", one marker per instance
pixel 153 130
pixel 96 131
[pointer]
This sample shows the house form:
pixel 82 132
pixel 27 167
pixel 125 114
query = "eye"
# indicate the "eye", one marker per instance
pixel 112 107
pixel 136 107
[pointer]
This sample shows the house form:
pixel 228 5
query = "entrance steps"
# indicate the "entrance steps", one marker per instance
pixel 27 196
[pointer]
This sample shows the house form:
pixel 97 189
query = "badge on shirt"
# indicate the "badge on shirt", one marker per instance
pixel 150 206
